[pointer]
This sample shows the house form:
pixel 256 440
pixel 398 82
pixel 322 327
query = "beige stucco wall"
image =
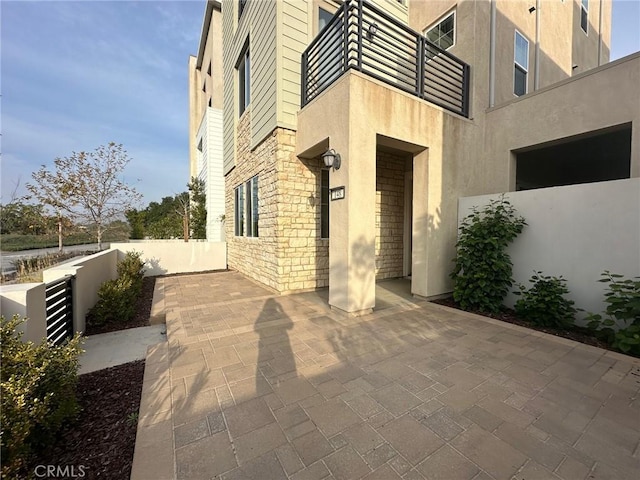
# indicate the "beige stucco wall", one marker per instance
pixel 562 43
pixel 598 99
pixel 444 165
pixel 205 87
pixel 577 232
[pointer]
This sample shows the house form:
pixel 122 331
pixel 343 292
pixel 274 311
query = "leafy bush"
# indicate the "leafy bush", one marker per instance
pixel 38 393
pixel 623 309
pixel 544 304
pixel 482 274
pixel 117 298
pixel 115 302
pixel 132 267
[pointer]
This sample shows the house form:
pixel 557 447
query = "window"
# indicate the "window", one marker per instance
pixel 244 80
pixel 251 187
pixel 444 32
pixel 521 64
pixel 324 204
pixel 324 17
pixel 239 211
pixel 241 6
pixel 584 16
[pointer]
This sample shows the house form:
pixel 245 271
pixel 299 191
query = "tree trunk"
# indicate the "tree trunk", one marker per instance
pixel 99 235
pixel 60 234
pixel 185 227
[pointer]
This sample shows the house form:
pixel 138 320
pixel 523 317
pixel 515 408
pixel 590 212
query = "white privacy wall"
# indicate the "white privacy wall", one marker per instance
pixel 165 257
pixel 576 231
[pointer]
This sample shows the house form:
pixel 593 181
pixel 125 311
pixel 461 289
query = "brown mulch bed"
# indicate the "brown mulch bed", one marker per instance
pixel 102 438
pixel 577 334
pixel 141 317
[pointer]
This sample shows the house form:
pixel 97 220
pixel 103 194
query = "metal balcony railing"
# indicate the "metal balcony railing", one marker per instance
pixel 362 37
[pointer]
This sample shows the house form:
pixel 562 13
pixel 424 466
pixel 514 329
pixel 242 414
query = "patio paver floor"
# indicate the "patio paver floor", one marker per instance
pixel 255 385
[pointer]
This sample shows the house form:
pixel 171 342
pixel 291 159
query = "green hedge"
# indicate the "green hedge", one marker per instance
pixel 38 395
pixel 117 298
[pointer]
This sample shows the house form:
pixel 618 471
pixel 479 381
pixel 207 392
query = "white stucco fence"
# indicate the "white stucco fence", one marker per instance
pixel 164 257
pixel 160 256
pixel 576 231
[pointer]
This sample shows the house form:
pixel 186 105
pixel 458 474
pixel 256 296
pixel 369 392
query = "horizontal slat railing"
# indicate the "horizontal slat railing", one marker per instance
pixel 59 310
pixel 363 37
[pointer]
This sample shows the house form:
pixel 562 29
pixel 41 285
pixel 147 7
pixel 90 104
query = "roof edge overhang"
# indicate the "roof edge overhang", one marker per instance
pixel 206 24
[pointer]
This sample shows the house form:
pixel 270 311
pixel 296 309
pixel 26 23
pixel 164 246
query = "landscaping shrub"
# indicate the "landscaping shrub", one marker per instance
pixel 37 384
pixel 482 273
pixel 623 311
pixel 117 298
pixel 132 267
pixel 544 304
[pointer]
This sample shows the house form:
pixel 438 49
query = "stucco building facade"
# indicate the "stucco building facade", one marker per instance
pixel 425 102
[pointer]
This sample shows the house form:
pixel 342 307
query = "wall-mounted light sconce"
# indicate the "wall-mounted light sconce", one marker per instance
pixel 372 30
pixel 331 159
pixel 532 9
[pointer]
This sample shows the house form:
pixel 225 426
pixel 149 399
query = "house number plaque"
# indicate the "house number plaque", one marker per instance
pixel 337 193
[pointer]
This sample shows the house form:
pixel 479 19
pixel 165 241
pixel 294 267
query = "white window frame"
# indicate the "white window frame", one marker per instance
pixel 251 207
pixel 439 21
pixel 584 8
pixel 517 64
pixel 238 219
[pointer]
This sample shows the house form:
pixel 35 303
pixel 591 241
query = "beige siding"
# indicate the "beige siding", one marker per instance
pixel 228 16
pixel 258 23
pixel 263 70
pixel 295 35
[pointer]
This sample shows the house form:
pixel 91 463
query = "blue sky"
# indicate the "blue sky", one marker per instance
pixel 76 75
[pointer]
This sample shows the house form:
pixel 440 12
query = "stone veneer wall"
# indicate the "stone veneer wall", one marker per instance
pixel 288 254
pixel 390 173
pixel 253 256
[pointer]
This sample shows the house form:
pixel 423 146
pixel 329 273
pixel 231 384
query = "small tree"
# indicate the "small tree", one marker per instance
pixel 198 211
pixel 136 219
pixel 482 274
pixel 87 186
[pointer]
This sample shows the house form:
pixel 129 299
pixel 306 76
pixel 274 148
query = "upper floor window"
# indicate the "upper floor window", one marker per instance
pixel 324 17
pixel 521 64
pixel 241 5
pixel 584 16
pixel 443 34
pixel 244 80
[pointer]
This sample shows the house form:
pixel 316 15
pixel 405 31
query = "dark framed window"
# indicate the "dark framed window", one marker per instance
pixel 251 187
pixel 584 16
pixel 443 34
pixel 239 211
pixel 324 17
pixel 324 204
pixel 521 64
pixel 244 80
pixel 241 6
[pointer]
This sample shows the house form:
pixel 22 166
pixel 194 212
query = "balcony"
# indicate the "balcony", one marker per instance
pixel 362 37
